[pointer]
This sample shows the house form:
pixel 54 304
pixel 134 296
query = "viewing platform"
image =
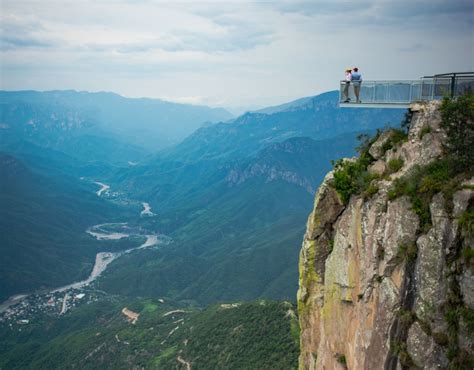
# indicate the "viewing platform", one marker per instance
pixel 402 93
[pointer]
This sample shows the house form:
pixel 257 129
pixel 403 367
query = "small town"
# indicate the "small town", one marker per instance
pixel 52 303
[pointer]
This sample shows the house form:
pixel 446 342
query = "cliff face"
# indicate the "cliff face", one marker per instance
pixel 378 289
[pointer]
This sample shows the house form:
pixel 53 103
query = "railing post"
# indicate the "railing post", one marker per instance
pixel 453 83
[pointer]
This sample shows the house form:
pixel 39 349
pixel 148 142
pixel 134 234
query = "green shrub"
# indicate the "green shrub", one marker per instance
pixel 352 177
pixel 466 222
pixel 330 245
pixel 407 252
pixel 406 318
pixel 341 359
pixel 468 253
pixel 409 185
pixel 467 315
pixel 421 183
pixel 397 137
pixel 457 116
pixel 371 190
pixel 399 348
pixel 394 165
pixel 452 317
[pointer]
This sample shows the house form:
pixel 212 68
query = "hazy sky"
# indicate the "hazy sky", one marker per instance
pixel 223 53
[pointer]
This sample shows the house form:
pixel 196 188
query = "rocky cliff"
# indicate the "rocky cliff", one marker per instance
pixel 386 275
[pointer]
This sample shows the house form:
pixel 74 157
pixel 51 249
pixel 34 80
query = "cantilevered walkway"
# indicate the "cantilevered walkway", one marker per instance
pixel 402 93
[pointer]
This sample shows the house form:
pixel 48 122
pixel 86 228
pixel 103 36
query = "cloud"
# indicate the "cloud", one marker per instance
pixel 309 8
pixel 12 42
pixel 412 48
pixel 234 38
pixel 19 32
pixel 173 28
pixel 227 52
pixel 385 13
pixel 426 8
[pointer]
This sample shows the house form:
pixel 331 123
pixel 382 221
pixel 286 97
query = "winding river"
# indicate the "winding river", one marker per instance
pixel 103 259
pixel 106 231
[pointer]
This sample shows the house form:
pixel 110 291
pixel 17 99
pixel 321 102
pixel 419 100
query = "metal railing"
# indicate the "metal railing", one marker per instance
pixel 404 92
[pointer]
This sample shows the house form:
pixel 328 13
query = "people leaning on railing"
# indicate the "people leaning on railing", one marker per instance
pixel 351 75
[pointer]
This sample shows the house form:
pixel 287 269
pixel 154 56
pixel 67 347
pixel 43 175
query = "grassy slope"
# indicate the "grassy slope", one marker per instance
pixel 254 335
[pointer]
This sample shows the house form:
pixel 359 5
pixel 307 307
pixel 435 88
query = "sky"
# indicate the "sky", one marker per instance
pixel 228 53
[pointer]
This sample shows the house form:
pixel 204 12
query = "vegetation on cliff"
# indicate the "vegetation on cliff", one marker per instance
pixel 458 121
pixel 446 174
pixel 250 335
pixel 399 250
pixel 353 177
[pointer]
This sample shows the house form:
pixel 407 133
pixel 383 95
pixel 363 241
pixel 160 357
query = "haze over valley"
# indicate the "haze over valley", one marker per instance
pixel 200 185
pixel 199 192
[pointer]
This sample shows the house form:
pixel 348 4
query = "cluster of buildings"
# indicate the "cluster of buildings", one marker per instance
pixel 53 303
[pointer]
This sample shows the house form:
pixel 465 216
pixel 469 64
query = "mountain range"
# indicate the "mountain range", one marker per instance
pixel 232 195
pixel 100 126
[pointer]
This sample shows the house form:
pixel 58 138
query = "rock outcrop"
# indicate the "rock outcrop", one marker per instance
pixel 377 289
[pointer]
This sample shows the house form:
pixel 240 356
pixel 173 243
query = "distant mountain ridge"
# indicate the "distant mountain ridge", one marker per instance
pixel 318 117
pixel 148 123
pixel 210 149
pixel 286 106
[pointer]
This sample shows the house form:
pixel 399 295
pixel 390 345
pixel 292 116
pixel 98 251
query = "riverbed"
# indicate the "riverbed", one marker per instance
pixel 100 232
pixel 103 259
pixel 103 188
pixel 146 210
pixel 106 231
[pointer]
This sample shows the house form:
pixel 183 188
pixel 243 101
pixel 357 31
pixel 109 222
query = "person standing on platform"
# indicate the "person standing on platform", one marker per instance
pixel 346 86
pixel 356 79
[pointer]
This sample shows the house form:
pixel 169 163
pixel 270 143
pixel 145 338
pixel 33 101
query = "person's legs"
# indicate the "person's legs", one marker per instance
pixel 357 92
pixel 346 92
